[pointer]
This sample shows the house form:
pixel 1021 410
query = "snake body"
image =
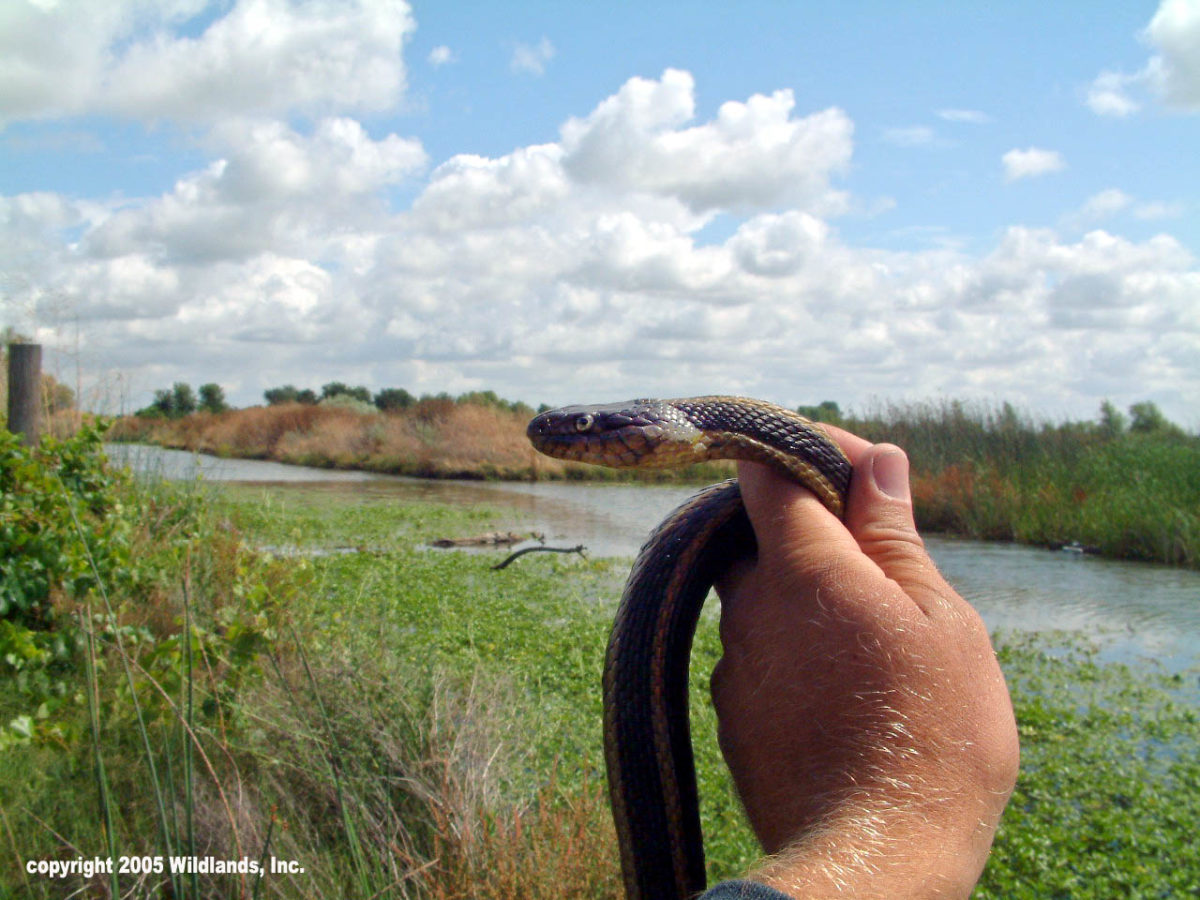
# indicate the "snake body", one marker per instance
pixel 647 739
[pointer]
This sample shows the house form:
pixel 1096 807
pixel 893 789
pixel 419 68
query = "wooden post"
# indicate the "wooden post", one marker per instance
pixel 24 390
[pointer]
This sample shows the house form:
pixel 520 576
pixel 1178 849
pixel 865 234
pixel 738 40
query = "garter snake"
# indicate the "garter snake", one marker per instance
pixel 647 739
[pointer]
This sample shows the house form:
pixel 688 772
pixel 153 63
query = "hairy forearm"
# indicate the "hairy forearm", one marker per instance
pixel 886 848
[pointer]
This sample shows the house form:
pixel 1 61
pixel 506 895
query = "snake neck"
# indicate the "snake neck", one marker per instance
pixel 739 428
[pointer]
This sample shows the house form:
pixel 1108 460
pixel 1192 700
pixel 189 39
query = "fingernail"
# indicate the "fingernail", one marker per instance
pixel 890 471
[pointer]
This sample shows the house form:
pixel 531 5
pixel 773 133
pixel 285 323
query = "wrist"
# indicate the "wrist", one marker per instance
pixel 897 854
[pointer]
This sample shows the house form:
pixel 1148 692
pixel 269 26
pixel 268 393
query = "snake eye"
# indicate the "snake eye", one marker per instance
pixel 584 422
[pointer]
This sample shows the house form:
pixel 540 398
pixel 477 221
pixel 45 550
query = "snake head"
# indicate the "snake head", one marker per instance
pixel 610 434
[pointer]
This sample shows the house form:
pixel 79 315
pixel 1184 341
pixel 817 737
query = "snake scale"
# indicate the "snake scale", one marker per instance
pixel 647 738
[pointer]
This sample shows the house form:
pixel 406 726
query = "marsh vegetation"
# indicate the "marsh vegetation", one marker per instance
pixel 408 723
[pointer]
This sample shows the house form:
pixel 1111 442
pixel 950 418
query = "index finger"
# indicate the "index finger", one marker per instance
pixel 777 505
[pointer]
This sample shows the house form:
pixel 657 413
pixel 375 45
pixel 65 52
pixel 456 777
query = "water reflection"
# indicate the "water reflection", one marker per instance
pixel 1139 612
pixel 183 465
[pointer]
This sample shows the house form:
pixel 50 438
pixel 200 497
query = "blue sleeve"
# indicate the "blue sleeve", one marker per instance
pixel 742 890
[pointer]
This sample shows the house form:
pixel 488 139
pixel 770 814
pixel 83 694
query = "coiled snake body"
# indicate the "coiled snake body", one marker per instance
pixel 647 739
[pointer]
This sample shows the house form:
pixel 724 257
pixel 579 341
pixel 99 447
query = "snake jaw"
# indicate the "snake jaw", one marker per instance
pixel 636 433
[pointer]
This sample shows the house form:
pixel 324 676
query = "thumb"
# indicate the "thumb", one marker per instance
pixel 879 514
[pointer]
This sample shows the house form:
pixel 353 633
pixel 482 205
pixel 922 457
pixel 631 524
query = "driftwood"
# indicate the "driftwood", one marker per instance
pixel 491 539
pixel 579 548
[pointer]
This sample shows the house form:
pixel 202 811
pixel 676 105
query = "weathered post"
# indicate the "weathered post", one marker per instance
pixel 24 390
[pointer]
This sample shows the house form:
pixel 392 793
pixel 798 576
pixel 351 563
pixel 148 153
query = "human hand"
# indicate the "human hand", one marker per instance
pixel 861 709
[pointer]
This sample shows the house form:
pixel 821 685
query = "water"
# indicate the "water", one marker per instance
pixel 1140 613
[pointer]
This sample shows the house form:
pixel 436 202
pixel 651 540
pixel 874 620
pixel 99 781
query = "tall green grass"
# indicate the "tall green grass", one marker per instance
pixel 991 472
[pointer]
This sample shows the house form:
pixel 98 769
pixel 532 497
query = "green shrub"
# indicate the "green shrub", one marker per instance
pixel 61 535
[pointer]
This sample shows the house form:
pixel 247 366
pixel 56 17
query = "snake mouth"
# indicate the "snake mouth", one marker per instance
pixel 620 435
pixel 623 447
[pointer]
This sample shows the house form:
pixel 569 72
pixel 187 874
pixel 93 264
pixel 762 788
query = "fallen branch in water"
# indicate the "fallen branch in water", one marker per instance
pixel 579 548
pixel 491 539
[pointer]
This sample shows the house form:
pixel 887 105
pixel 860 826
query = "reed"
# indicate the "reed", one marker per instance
pixel 990 472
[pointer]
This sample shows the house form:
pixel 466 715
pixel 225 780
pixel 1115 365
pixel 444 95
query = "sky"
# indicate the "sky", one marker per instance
pixel 565 202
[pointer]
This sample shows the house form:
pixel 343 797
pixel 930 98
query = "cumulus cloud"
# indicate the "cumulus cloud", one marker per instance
pixel 1109 94
pixel 1111 202
pixel 1175 32
pixel 1173 73
pixel 441 55
pixel 1098 207
pixel 259 57
pixel 1158 209
pixel 753 155
pixel 909 136
pixel 272 189
pixel 969 116
pixel 532 58
pixel 1031 162
pixel 574 270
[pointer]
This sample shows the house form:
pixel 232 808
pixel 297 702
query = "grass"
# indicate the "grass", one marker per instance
pixel 406 723
pixel 994 474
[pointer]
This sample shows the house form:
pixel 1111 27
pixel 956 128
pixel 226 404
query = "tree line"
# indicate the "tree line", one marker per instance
pixel 180 399
pixel 389 399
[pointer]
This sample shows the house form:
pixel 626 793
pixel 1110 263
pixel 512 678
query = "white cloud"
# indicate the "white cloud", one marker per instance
pixel 261 57
pixel 1175 31
pixel 1097 208
pixel 1106 203
pixel 532 58
pixel 1109 95
pixel 1173 73
pixel 1030 163
pixel 1111 202
pixel 581 260
pixel 273 189
pixel 753 155
pixel 968 116
pixel 441 55
pixel 910 136
pixel 1157 209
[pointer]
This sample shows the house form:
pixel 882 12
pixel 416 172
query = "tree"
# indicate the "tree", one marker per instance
pixel 337 388
pixel 163 405
pixel 280 395
pixel 1147 418
pixel 307 396
pixel 394 398
pixel 1112 421
pixel 333 389
pixel 825 411
pixel 212 398
pixel 183 398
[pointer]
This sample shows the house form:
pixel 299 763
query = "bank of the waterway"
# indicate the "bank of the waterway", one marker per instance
pixel 1139 612
pixel 977 471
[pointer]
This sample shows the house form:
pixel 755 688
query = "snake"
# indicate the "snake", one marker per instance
pixel 647 736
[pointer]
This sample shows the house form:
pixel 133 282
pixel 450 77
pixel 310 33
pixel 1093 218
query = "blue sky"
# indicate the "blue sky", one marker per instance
pixel 577 202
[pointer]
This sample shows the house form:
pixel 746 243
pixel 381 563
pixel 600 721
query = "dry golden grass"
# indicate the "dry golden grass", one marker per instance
pixel 435 438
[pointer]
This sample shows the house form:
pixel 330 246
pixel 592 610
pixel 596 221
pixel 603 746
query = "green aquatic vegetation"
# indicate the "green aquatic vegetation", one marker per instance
pixel 1107 803
pixel 1104 746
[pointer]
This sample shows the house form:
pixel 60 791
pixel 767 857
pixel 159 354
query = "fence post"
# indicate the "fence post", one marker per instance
pixel 24 390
